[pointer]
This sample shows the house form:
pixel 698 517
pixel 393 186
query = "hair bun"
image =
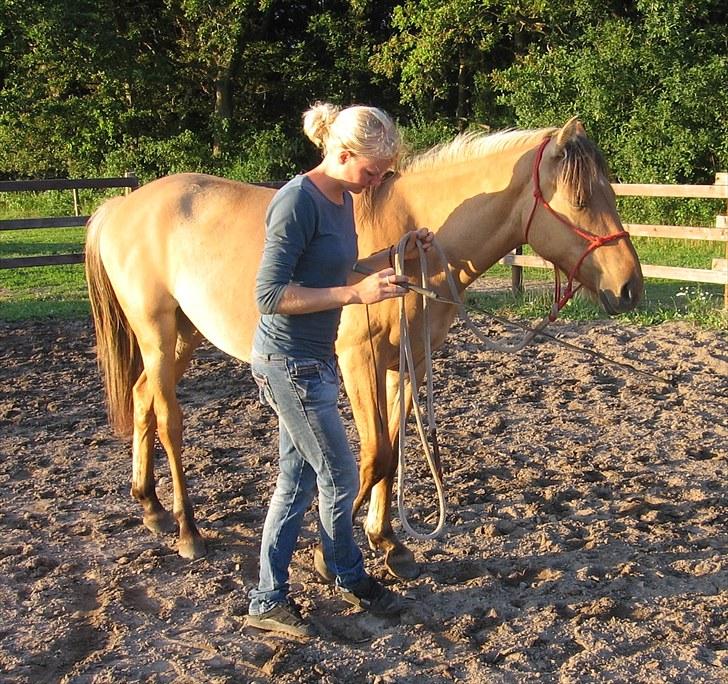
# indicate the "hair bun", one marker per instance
pixel 317 122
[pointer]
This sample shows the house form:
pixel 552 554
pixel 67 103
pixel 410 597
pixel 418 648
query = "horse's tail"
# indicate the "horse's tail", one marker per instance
pixel 117 350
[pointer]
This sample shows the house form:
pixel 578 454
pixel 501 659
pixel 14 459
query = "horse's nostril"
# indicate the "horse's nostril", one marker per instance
pixel 630 293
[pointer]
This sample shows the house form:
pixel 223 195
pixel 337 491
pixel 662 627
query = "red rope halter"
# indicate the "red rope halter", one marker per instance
pixel 595 241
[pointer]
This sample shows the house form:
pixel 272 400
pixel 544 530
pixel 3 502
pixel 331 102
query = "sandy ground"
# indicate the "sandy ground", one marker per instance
pixel 586 537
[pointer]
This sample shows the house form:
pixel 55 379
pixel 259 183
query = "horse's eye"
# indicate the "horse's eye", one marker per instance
pixel 579 202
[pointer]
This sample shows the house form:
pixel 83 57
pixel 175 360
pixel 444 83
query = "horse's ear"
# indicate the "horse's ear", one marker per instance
pixel 570 129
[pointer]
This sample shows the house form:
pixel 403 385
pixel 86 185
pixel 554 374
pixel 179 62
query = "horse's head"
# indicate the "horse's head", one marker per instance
pixel 573 221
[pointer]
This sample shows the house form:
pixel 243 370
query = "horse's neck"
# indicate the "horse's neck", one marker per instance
pixel 474 208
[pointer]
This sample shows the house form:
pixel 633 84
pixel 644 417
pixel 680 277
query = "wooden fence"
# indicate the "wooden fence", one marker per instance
pixel 718 273
pixel 129 182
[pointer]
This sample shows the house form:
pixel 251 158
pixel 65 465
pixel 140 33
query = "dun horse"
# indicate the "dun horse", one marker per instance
pixel 175 262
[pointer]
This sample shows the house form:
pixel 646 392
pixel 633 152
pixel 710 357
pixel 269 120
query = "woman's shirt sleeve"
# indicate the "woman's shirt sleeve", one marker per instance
pixel 291 223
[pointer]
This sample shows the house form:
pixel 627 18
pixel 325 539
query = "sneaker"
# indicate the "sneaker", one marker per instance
pixel 285 618
pixel 373 596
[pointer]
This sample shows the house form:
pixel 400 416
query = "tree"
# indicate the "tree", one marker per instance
pixel 648 83
pixel 443 52
pixel 436 47
pixel 170 85
pixel 79 79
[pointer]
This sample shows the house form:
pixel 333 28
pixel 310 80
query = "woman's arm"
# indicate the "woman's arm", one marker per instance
pixel 290 220
pixel 377 261
pixel 381 285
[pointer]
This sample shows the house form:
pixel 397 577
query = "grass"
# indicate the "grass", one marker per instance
pixel 18 243
pixel 700 304
pixel 51 202
pixel 49 291
pixel 42 292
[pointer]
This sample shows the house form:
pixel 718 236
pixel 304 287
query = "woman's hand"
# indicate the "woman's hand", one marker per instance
pixel 378 286
pixel 424 235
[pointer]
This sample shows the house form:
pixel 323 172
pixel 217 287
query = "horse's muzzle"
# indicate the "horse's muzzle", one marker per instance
pixel 627 298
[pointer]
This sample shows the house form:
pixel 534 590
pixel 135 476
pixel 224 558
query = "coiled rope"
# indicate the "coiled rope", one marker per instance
pixel 407 366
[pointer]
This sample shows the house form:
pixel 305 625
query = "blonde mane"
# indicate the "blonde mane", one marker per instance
pixel 461 148
pixel 471 146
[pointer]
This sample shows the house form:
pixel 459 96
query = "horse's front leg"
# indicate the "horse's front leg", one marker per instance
pixel 372 392
pixel 380 466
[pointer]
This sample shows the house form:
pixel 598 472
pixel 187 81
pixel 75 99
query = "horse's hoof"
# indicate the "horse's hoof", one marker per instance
pixel 191 548
pixel 320 566
pixel 400 562
pixel 160 523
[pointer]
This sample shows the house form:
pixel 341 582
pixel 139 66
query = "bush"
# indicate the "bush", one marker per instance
pixel 263 156
pixel 421 134
pixel 151 158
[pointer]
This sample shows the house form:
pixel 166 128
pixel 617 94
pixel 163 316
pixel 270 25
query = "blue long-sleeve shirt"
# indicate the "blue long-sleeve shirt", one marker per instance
pixel 309 241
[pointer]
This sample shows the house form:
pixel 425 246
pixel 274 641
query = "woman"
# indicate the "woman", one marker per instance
pixel 304 279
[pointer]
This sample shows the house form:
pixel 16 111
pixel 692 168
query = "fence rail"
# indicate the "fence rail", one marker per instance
pixel 45 222
pixel 717 274
pixel 128 182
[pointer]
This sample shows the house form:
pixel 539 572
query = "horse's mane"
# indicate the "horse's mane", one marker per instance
pixel 471 145
pixel 580 166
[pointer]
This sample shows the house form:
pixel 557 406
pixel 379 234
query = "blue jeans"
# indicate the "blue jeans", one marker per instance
pixel 313 453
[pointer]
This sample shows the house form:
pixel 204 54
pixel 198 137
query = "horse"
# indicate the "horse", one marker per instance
pixel 175 262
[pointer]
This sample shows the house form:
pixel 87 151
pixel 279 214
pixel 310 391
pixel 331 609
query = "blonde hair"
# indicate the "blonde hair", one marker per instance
pixel 365 131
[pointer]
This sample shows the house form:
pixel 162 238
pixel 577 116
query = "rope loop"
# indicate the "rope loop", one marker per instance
pixel 407 365
pixel 407 377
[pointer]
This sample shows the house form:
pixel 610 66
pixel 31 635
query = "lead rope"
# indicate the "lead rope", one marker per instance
pixel 407 365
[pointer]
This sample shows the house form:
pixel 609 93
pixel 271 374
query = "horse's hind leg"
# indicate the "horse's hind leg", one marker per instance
pixel 166 344
pixel 143 488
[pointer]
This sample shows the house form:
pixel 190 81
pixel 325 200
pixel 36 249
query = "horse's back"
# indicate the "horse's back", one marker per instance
pixel 190 241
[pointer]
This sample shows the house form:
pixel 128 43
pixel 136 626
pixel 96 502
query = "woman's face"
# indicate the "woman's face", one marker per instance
pixel 359 173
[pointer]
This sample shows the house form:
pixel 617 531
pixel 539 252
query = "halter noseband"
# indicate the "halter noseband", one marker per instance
pixel 595 241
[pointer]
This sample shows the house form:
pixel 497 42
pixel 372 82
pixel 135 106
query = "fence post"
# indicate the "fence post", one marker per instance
pixel 131 174
pixel 722 179
pixel 517 275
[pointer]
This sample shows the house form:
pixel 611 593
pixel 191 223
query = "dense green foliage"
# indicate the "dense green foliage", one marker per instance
pixel 97 87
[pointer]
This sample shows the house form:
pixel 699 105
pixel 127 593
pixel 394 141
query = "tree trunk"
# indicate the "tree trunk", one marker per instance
pixel 252 27
pixel 223 108
pixel 461 111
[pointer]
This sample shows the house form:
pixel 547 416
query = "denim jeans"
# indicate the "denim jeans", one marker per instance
pixel 314 453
